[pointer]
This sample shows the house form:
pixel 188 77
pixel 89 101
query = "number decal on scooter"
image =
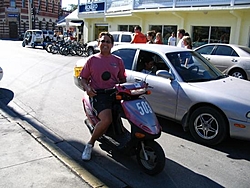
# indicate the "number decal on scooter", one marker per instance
pixel 144 108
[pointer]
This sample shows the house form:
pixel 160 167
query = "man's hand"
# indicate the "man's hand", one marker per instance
pixel 90 91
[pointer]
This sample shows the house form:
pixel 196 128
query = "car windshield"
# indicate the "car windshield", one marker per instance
pixel 38 33
pixel 192 67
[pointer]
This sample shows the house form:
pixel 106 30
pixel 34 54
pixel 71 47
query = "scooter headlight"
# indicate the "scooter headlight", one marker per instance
pixel 138 91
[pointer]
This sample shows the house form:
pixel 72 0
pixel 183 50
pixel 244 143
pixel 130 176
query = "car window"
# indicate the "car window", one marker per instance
pixel 206 50
pixel 126 38
pixel 246 49
pixel 225 50
pixel 127 56
pixel 191 67
pixel 144 56
pixel 116 37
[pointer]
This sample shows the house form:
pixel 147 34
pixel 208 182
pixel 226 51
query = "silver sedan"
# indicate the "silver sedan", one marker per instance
pixel 188 89
pixel 229 58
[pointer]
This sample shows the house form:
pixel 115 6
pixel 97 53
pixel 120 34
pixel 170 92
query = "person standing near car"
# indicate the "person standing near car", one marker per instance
pixel 101 71
pixel 150 37
pixel 187 42
pixel 172 40
pixel 139 37
pixel 158 38
pixel 180 35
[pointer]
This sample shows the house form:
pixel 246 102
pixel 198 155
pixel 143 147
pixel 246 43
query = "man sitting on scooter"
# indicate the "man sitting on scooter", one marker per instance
pixel 101 71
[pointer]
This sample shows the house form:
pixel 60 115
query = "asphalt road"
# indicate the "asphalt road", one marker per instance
pixel 41 90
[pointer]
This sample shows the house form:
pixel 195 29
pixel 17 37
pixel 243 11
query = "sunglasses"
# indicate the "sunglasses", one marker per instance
pixel 105 41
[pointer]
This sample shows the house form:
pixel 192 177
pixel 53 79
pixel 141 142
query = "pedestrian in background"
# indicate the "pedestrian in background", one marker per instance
pixel 150 37
pixel 180 35
pixel 172 39
pixel 187 42
pixel 139 37
pixel 158 38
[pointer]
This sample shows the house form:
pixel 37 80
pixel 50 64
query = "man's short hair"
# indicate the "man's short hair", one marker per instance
pixel 182 31
pixel 107 34
pixel 138 27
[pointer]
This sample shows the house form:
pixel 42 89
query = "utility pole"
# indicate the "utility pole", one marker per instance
pixel 29 14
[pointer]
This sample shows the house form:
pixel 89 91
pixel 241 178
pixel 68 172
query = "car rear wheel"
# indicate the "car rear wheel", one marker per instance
pixel 238 73
pixel 208 126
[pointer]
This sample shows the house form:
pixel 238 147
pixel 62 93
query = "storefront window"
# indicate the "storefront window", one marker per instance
pixel 129 28
pixel 166 30
pixel 210 34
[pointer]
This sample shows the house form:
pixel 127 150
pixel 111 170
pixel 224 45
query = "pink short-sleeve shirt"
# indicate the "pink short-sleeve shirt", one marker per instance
pixel 97 64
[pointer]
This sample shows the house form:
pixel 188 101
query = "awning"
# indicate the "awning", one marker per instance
pixel 63 24
pixel 73 16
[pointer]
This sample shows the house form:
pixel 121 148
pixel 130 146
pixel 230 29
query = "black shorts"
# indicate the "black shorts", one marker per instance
pixel 101 102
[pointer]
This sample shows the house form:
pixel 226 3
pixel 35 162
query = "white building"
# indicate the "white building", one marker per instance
pixel 207 21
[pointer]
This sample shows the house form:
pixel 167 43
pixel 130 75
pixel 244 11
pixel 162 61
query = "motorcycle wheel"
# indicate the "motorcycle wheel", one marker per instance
pixel 156 158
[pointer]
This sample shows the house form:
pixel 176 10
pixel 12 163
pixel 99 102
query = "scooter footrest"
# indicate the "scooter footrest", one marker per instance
pixel 110 140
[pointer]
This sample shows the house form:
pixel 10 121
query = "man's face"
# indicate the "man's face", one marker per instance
pixel 179 35
pixel 105 44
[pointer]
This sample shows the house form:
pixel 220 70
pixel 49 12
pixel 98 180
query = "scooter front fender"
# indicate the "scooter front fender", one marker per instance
pixel 88 109
pixel 142 115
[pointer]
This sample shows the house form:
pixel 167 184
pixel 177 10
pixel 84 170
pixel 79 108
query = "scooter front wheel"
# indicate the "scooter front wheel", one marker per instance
pixel 154 161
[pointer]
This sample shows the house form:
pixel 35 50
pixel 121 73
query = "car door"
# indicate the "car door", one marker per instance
pixel 163 98
pixel 224 57
pixel 128 56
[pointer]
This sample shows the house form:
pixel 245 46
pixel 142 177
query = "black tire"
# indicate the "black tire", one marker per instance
pixel 90 51
pixel 79 51
pixel 54 49
pixel 238 73
pixel 208 126
pixel 23 44
pixel 33 45
pixel 48 47
pixel 156 156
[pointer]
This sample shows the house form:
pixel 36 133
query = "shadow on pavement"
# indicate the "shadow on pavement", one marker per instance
pixel 234 148
pixel 127 169
pixel 6 96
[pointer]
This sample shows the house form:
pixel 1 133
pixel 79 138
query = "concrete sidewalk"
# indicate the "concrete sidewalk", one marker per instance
pixel 27 160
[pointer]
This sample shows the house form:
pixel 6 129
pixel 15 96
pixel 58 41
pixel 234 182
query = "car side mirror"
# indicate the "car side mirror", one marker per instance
pixel 165 74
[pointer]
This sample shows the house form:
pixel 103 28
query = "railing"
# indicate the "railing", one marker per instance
pixel 123 5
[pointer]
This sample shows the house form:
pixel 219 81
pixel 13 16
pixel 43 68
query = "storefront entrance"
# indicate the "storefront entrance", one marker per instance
pixel 100 28
pixel 13 31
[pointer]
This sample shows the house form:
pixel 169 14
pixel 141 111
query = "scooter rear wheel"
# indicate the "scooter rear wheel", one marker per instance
pixel 156 158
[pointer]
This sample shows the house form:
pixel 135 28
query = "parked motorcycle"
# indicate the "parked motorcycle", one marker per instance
pixel 140 140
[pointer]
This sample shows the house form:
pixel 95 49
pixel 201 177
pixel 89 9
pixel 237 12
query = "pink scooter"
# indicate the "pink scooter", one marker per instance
pixel 145 128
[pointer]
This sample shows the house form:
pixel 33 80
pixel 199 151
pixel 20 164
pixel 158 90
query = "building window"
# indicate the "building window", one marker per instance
pixel 165 30
pixel 39 5
pixel 53 6
pixel 210 34
pixel 129 28
pixel 40 25
pixel 23 3
pixel 46 5
pixel 12 3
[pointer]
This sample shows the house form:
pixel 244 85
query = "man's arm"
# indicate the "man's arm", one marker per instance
pixel 86 87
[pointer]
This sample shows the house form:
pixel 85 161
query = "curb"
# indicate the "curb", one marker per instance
pixel 48 144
